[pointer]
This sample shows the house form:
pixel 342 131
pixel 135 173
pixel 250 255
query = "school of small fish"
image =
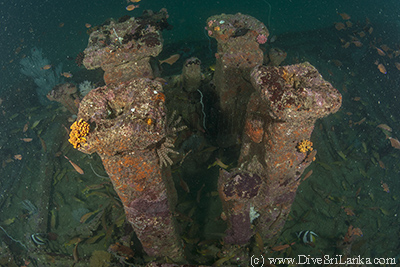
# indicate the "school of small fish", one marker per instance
pixel 384 59
pixel 357 36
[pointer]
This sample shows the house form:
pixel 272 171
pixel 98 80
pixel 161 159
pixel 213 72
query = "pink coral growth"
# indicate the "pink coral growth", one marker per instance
pixel 261 39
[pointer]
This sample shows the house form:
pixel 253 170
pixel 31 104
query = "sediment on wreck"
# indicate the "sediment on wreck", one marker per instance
pixel 280 119
pixel 124 49
pixel 128 130
pixel 238 38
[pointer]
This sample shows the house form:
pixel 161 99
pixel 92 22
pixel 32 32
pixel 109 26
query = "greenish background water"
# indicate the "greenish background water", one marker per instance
pixel 37 22
pixel 305 30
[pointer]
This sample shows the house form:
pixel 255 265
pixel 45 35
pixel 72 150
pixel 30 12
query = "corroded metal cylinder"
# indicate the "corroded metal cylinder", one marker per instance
pixel 124 49
pixel 128 130
pixel 279 122
pixel 238 38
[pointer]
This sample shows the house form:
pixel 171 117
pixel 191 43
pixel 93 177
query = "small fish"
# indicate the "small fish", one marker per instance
pixel 381 164
pixel 36 123
pixel 358 191
pixel 282 247
pixel 370 30
pixel 346 45
pixel 86 216
pixel 61 25
pixel 272 39
pixel 198 196
pixel 385 47
pixel 18 157
pixel 134 1
pixel 380 52
pixel 394 142
pixel 382 68
pixel 224 259
pixel 171 60
pixel 259 241
pixel 38 239
pixel 26 126
pixel 75 251
pixel 131 7
pixel 336 62
pixel 184 185
pixel 43 143
pixel 361 121
pixel 344 16
pixel 384 127
pixel 349 24
pixel 9 221
pixel 349 211
pixel 219 163
pixel 384 211
pixel 76 167
pixel 93 239
pixel 357 43
pixel 340 26
pixel 397 64
pixel 364 145
pixel 92 187
pixel 53 219
pixel 26 140
pixel 307 175
pixel 308 237
pixel 73 241
pixel 46 67
pixel 66 74
pixel 87 25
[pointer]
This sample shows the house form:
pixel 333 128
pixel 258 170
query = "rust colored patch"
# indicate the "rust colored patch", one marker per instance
pixel 254 130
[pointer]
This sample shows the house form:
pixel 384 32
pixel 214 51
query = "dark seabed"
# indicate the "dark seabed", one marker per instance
pixel 51 215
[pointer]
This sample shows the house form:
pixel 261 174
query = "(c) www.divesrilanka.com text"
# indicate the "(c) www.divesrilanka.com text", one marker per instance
pixel 307 259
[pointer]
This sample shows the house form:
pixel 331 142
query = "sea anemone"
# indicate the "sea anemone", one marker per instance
pixel 85 87
pixel 262 39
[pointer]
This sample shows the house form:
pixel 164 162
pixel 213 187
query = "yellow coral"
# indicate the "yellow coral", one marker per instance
pixel 304 146
pixel 79 131
pixel 149 121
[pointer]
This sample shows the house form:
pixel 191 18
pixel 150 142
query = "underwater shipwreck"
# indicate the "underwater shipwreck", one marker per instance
pixel 146 141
